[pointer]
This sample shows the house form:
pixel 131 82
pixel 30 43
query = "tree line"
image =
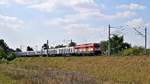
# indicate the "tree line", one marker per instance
pixel 45 46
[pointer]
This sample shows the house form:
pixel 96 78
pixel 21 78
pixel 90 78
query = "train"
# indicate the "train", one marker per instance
pixel 82 49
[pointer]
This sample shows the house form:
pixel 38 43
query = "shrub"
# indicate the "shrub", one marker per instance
pixel 148 51
pixel 2 54
pixel 11 56
pixel 133 51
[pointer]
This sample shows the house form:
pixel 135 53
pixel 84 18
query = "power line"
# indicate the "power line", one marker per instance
pixel 139 32
pixel 145 37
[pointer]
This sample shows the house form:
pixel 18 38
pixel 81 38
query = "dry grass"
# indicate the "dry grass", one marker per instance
pixel 77 70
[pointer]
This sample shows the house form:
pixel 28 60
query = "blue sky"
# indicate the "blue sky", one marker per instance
pixel 32 22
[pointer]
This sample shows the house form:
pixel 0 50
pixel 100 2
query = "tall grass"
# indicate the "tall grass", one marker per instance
pixel 77 70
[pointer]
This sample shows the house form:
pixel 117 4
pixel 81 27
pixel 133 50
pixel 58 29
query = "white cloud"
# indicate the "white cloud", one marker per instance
pixel 4 3
pixel 23 1
pixel 49 5
pixel 85 31
pixel 79 18
pixel 82 30
pixel 76 25
pixel 84 8
pixel 131 6
pixel 7 22
pixel 118 15
pixel 46 6
pixel 20 2
pixel 77 29
pixel 136 23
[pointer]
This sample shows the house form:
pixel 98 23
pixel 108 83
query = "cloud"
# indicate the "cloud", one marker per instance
pixel 85 32
pixel 8 22
pixel 50 5
pixel 131 6
pixel 77 28
pixel 23 2
pixel 4 3
pixel 46 6
pixel 76 25
pixel 87 16
pixel 82 29
pixel 83 8
pixel 20 2
pixel 136 23
pixel 117 15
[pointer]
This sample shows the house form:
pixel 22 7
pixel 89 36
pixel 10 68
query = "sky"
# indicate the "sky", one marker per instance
pixel 31 22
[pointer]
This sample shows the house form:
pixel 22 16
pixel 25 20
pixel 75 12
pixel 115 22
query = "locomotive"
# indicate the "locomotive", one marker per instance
pixel 82 49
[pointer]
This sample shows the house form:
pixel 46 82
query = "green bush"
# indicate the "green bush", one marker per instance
pixel 2 54
pixel 148 51
pixel 11 56
pixel 133 51
pixel 6 56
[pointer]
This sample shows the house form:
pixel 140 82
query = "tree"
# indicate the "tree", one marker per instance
pixel 3 55
pixel 52 47
pixel 4 46
pixel 126 45
pixel 60 46
pixel 29 48
pixel 6 53
pixel 104 46
pixel 18 50
pixel 117 45
pixel 11 56
pixel 45 46
pixel 71 44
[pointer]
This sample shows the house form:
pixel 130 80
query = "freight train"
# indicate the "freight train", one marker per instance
pixel 83 49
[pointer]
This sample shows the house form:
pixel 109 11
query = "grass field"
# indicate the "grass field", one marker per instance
pixel 77 70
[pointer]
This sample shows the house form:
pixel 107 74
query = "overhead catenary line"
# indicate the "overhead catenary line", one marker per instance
pixel 145 37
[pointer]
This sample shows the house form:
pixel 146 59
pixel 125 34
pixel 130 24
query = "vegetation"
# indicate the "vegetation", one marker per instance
pixel 6 54
pixel 45 46
pixel 2 54
pixel 121 48
pixel 18 50
pixel 71 44
pixel 77 70
pixel 29 48
pixel 135 51
pixel 60 46
pixel 11 56
pixel 117 45
pixel 4 46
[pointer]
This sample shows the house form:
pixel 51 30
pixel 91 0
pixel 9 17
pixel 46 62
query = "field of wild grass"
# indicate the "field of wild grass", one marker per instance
pixel 77 70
